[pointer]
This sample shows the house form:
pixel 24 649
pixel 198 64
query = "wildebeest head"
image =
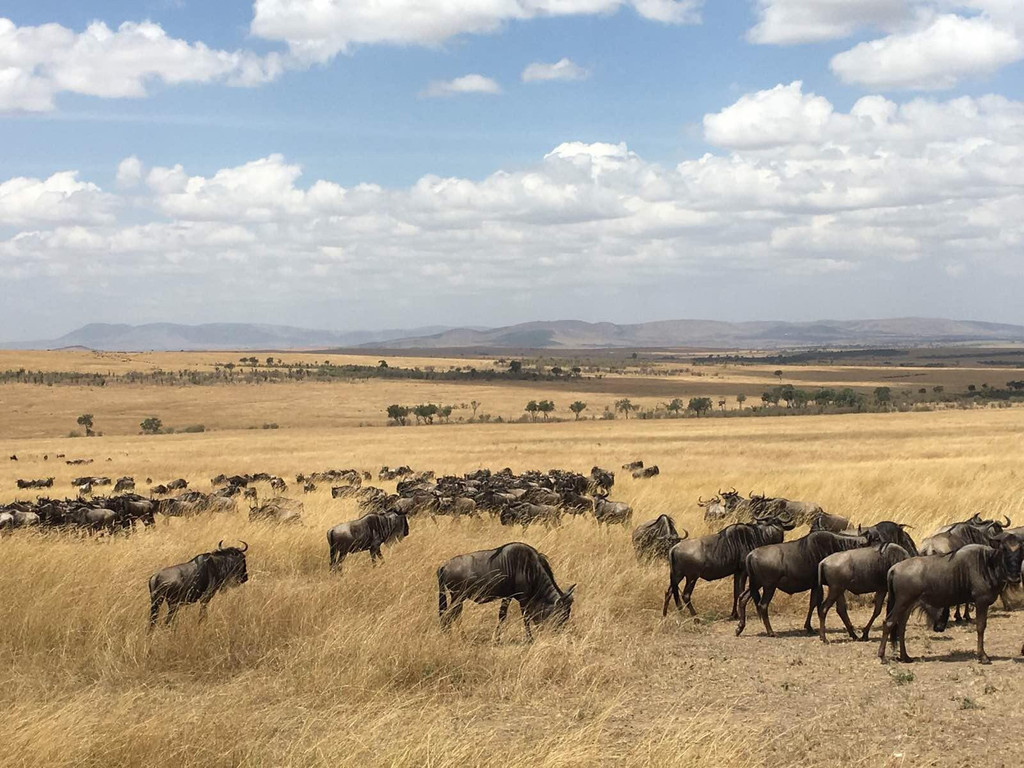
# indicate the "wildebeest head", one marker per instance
pixel 556 612
pixel 1007 558
pixel 231 561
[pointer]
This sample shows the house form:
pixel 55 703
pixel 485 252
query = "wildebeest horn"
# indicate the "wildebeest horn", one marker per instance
pixel 700 501
pixel 733 489
pixel 220 544
pixel 1007 524
pixel 244 546
pixel 686 535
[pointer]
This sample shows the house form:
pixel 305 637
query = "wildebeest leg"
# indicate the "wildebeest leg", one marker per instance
pixel 375 554
pixel 902 629
pixel 334 555
pixel 824 607
pixel 956 615
pixel 502 615
pixel 981 617
pixel 1005 599
pixel 448 617
pixel 691 582
pixel 844 614
pixel 154 611
pixel 742 611
pixel 172 608
pixel 202 608
pixel 739 580
pixel 967 613
pixel 526 624
pixel 812 603
pixel 762 610
pixel 879 599
pixel 671 592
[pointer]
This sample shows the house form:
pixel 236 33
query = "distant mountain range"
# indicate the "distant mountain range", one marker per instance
pixel 175 336
pixel 565 334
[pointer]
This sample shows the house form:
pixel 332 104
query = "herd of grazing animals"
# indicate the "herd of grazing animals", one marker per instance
pixel 971 562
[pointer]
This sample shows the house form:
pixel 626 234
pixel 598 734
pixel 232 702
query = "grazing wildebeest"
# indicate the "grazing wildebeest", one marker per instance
pixel 952 537
pixel 95 519
pixel 612 512
pixel 791 566
pixel 719 555
pixel 13 457
pixel 638 464
pixel 277 510
pixel 46 483
pixel 646 473
pixel 859 571
pixel 177 485
pixel 367 533
pixel 308 487
pixel 833 523
pixel 577 504
pixel 124 484
pixel 6 520
pixel 344 491
pixel 159 490
pixel 513 571
pixel 601 480
pixel 196 581
pixel 653 540
pixel 974 573
pixel 525 514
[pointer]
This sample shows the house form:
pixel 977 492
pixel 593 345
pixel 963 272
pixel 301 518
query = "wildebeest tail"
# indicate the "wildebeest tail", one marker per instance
pixel 890 598
pixel 753 587
pixel 822 579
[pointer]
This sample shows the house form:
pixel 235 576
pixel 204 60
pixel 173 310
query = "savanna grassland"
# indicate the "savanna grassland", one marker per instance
pixel 304 667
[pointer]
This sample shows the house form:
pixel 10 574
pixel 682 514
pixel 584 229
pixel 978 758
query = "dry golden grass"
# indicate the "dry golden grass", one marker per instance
pixel 303 667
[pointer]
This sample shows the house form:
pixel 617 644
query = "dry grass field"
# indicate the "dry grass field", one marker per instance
pixel 303 667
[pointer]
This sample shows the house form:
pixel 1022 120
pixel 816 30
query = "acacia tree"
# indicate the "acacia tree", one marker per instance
pixel 546 407
pixel 474 405
pixel 674 407
pixel 85 420
pixel 531 408
pixel 699 405
pixel 399 414
pixel 445 413
pixel 577 408
pixel 625 405
pixel 741 399
pixel 151 425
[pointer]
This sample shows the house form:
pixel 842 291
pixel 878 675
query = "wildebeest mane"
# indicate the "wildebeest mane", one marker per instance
pixel 818 545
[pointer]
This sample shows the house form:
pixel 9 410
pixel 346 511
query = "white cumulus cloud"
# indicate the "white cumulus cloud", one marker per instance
pixel 936 56
pixel 466 84
pixel 563 69
pixel 37 63
pixel 317 30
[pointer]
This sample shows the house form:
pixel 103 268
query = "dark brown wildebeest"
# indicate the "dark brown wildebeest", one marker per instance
pixel 367 533
pixel 791 566
pixel 952 537
pixel 612 512
pixel 13 457
pixel 600 480
pixel 653 540
pixel 308 487
pixel 859 571
pixel 719 555
pixel 833 523
pixel 177 485
pixel 510 572
pixel 972 574
pixel 124 484
pixel 196 581
pixel 638 464
pixel 646 473
pixel 526 514
pixel 94 519
pixel 344 491
pixel 45 483
pixel 280 510
pixel 75 462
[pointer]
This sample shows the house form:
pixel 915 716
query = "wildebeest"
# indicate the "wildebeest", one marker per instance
pixel 646 473
pixel 638 464
pixel 367 533
pixel 859 571
pixel 177 485
pixel 791 566
pixel 601 480
pixel 833 523
pixel 196 581
pixel 719 555
pixel 952 537
pixel 514 571
pixel 526 514
pixel 43 483
pixel 6 520
pixel 611 512
pixel 276 510
pixel 972 574
pixel 343 491
pixel 653 540
pixel 308 487
pixel 94 519
pixel 124 484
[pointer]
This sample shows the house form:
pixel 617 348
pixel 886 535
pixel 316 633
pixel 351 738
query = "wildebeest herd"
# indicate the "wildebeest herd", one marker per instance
pixel 963 564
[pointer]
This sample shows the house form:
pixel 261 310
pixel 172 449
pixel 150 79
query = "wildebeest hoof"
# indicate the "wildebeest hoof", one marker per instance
pixel 906 659
pixel 984 660
pixel 739 631
pixel 863 638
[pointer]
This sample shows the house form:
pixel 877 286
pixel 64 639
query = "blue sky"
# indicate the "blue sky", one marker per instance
pixel 468 213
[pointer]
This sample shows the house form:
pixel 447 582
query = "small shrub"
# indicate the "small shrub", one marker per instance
pixel 193 428
pixel 271 425
pixel 73 433
pixel 901 677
